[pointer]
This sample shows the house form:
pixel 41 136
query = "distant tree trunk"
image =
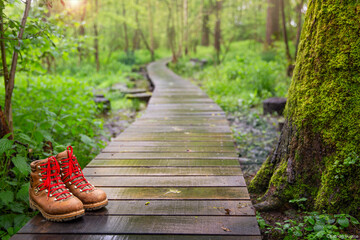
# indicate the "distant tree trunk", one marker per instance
pixel 96 40
pixel 205 39
pixel 151 31
pixel 126 38
pixel 9 77
pixel 286 41
pixel 217 31
pixel 290 66
pixel 186 28
pixel 171 34
pixel 140 32
pixel 272 22
pixel 299 25
pixel 318 155
pixel 82 29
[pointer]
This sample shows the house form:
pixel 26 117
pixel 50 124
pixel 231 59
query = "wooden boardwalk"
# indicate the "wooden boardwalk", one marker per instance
pixel 173 174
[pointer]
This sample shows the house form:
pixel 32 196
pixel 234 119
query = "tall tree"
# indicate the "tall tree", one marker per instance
pixel 82 29
pixel 186 28
pixel 126 38
pixel 318 155
pixel 299 25
pixel 9 77
pixel 217 31
pixel 96 35
pixel 272 22
pixel 205 37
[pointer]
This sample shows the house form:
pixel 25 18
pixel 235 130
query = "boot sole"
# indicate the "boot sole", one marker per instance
pixel 57 218
pixel 95 206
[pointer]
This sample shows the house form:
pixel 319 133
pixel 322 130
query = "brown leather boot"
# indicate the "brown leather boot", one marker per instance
pixel 48 194
pixel 71 174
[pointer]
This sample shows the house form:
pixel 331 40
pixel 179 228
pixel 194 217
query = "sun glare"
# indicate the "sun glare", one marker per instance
pixel 74 3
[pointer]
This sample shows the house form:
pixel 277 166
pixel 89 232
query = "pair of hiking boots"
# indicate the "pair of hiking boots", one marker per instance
pixel 59 190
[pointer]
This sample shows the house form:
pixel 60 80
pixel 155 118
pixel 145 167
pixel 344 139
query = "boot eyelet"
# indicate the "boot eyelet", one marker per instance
pixel 40 174
pixel 40 180
pixel 46 190
pixel 51 195
pixel 75 187
pixel 81 190
pixel 70 183
pixel 39 167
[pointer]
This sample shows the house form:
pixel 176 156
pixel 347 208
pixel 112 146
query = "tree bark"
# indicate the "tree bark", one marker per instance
pixel 186 28
pixel 286 41
pixel 9 85
pixel 82 29
pixel 217 31
pixel 151 31
pixel 299 25
pixel 318 155
pixel 126 47
pixel 272 22
pixel 96 40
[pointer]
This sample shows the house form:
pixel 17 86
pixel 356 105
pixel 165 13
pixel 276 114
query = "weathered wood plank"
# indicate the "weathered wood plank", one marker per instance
pixel 162 171
pixel 39 236
pixel 163 162
pixel 176 208
pixel 168 181
pixel 169 144
pixel 111 149
pixel 167 155
pixel 147 225
pixel 159 193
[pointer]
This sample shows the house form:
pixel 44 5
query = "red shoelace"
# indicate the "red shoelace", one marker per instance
pixel 73 173
pixel 51 181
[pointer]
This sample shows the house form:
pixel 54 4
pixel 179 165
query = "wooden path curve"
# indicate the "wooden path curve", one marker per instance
pixel 173 174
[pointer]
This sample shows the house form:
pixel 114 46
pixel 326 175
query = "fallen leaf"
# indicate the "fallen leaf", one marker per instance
pixel 147 203
pixel 173 191
pixel 225 229
pixel 227 211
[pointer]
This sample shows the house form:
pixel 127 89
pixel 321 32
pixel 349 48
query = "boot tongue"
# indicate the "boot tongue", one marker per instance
pixel 65 155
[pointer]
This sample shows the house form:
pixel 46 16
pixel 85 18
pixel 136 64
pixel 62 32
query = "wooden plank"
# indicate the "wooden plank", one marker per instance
pixel 165 155
pixel 163 162
pixel 162 171
pixel 176 208
pixel 39 236
pixel 174 139
pixel 147 225
pixel 168 181
pixel 165 149
pixel 189 193
pixel 169 144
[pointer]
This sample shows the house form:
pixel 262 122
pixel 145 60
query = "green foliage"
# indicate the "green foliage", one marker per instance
pixel 243 78
pixel 312 226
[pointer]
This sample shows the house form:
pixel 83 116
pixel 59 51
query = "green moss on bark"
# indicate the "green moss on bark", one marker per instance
pixel 324 108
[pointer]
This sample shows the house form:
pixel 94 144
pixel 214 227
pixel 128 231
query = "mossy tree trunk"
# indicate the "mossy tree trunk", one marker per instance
pixel 317 156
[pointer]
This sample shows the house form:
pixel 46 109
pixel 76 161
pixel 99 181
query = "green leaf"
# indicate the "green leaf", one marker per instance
pixel 21 164
pixel 298 233
pixel 23 193
pixel 6 197
pixel 354 220
pixel 344 222
pixel 5 144
pixel 6 221
pixel 17 207
pixel 318 227
pixel 25 137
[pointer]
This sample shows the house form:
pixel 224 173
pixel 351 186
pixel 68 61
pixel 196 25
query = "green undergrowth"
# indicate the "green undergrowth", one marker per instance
pixel 309 225
pixel 247 75
pixel 58 107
